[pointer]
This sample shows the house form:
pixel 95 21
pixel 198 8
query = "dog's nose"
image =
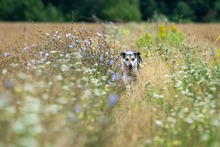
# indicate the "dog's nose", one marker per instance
pixel 130 66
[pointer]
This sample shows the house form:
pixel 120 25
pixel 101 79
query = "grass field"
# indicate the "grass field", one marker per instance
pixel 61 85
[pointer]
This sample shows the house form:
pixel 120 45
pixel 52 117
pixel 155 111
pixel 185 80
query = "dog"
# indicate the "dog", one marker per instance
pixel 130 64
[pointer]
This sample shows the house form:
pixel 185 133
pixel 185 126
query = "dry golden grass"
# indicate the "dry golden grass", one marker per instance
pixel 203 33
pixel 22 33
pixel 133 119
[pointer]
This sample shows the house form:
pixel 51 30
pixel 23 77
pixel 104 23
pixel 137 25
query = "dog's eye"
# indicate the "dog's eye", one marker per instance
pixel 132 59
pixel 126 59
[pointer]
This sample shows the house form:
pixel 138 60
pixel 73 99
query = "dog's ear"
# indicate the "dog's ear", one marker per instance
pixel 138 57
pixel 123 54
pixel 137 53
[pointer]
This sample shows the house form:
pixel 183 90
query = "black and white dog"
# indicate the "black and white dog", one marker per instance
pixel 130 61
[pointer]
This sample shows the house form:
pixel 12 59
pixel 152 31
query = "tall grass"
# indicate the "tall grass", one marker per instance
pixel 62 93
pixel 66 90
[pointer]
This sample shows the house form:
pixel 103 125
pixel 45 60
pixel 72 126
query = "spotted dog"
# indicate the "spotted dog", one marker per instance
pixel 130 61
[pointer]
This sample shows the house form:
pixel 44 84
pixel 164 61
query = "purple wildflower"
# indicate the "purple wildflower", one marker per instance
pixel 9 84
pixel 6 54
pixel 77 108
pixel 77 40
pixel 67 55
pixel 111 61
pixel 46 54
pixel 26 49
pixel 116 77
pixel 101 58
pixel 84 49
pixel 72 45
pixel 85 42
pixel 113 98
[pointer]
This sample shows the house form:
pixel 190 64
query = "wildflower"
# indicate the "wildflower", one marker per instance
pixel 67 55
pixel 33 45
pixel 46 54
pixel 26 49
pixel 116 77
pixel 85 42
pixel 101 58
pixel 82 28
pixel 113 98
pixel 159 122
pixel 103 120
pixel 43 59
pixel 29 64
pixel 77 108
pixel 74 118
pixel 111 61
pixel 68 35
pixel 6 54
pixel 9 84
pixel 84 49
pixel 41 53
pixel 91 41
pixel 72 45
pixel 59 37
pixel 64 68
pixel 106 53
pixel 129 78
pixel 77 40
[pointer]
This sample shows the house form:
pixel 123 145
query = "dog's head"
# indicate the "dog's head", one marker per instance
pixel 131 59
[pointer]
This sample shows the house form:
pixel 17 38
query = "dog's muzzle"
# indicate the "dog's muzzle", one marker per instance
pixel 130 66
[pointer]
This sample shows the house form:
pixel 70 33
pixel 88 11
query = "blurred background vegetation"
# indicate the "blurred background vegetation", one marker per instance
pixel 109 10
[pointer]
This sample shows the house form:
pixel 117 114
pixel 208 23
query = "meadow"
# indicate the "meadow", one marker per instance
pixel 61 85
